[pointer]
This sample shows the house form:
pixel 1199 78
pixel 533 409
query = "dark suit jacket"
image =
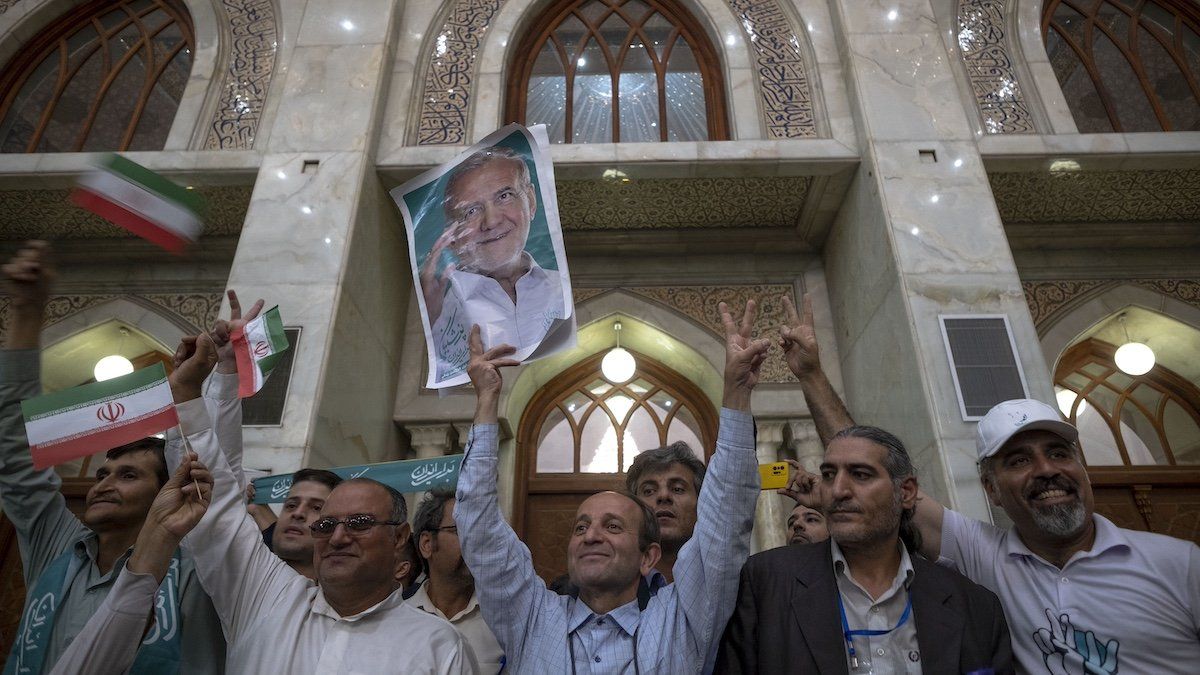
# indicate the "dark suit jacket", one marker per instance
pixel 786 620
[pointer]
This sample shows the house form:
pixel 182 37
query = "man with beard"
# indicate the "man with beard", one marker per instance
pixel 449 589
pixel 290 537
pixel 806 526
pixel 864 589
pixel 71 564
pixel 1081 594
pixel 668 481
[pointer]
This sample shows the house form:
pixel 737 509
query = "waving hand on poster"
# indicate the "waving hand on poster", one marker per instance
pixel 486 248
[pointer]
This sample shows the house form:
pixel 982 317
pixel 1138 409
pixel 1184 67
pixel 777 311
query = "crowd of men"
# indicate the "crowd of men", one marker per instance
pixel 170 569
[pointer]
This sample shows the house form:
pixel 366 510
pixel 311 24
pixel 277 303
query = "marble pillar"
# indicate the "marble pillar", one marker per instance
pixel 432 440
pixel 805 444
pixel 316 204
pixel 918 235
pixel 770 517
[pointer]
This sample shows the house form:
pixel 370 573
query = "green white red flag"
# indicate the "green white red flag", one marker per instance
pixel 91 418
pixel 258 346
pixel 143 202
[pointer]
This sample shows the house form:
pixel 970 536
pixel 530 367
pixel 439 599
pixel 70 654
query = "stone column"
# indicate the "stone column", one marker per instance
pixel 322 240
pixel 431 440
pixel 918 235
pixel 769 516
pixel 805 444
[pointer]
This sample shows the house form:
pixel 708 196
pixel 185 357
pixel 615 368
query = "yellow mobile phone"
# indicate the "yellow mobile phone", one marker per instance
pixel 774 475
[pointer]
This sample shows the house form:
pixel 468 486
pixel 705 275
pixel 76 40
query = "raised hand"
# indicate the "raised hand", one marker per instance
pixel 803 487
pixel 434 285
pixel 484 371
pixel 28 278
pixel 223 330
pixel 744 356
pixel 195 359
pixel 799 340
pixel 181 503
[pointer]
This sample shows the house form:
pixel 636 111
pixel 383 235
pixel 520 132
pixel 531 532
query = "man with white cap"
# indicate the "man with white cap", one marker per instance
pixel 1081 595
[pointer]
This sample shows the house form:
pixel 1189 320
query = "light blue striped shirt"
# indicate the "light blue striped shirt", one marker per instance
pixel 678 631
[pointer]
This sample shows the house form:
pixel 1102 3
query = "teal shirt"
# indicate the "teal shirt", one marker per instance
pixel 45 527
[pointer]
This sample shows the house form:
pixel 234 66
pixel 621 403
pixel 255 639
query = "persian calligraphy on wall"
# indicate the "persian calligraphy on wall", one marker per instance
pixel 252 34
pixel 783 81
pixel 446 98
pixel 993 78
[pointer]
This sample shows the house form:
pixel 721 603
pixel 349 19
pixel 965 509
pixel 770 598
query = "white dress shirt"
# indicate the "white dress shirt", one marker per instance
pixel 477 299
pixel 469 622
pixel 278 621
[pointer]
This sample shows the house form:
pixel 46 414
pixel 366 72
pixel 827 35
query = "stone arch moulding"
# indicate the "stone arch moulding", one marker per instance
pixel 160 323
pixel 473 38
pixel 981 33
pixel 1179 300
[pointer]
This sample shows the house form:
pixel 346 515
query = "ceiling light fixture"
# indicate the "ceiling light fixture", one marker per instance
pixel 1133 358
pixel 618 365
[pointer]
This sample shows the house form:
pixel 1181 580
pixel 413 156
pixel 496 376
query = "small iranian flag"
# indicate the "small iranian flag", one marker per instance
pixel 143 202
pixel 258 346
pixel 82 421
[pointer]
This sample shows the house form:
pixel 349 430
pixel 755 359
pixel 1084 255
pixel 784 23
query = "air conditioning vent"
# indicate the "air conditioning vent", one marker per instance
pixel 983 362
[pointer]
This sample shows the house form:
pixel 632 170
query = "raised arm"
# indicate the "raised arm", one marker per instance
pixel 511 594
pixel 234 566
pixel 706 573
pixel 30 498
pixel 109 641
pixel 799 342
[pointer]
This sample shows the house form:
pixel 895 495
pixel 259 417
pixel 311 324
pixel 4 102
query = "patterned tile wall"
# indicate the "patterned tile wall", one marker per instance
pixel 1049 300
pixel 6 4
pixel 682 203
pixel 779 66
pixel 199 309
pixel 252 31
pixel 699 303
pixel 1097 196
pixel 49 214
pixel 985 51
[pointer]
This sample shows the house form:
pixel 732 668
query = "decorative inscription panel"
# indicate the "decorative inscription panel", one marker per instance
pixel 1097 196
pixel 990 69
pixel 253 43
pixel 682 203
pixel 782 77
pixel 49 214
pixel 699 303
pixel 446 99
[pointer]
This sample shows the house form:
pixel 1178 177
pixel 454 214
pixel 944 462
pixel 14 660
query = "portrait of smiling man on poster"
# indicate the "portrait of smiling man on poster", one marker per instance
pixel 486 248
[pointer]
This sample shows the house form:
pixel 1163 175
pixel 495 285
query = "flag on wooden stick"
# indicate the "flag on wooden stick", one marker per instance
pixel 84 420
pixel 143 202
pixel 258 346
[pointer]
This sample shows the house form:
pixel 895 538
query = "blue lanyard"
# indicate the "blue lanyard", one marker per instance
pixel 850 634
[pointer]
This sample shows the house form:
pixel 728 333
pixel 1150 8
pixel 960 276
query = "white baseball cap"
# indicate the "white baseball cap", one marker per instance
pixel 1010 418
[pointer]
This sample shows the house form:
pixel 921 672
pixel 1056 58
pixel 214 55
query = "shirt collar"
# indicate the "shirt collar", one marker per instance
pixel 904 574
pixel 321 606
pixel 627 616
pixel 655 580
pixel 421 600
pixel 1108 537
pixel 468 282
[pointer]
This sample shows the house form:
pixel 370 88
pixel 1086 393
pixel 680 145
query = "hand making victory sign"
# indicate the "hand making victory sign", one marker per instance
pixel 799 340
pixel 221 336
pixel 744 356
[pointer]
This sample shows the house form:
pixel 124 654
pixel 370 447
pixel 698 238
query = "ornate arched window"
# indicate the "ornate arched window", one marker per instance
pixel 1126 65
pixel 109 75
pixel 1151 419
pixel 598 71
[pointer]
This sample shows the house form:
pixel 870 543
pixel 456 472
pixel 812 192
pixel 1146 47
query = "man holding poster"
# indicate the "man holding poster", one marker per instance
pixel 487 249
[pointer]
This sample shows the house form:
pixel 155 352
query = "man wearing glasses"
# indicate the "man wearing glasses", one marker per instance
pixel 449 590
pixel 353 618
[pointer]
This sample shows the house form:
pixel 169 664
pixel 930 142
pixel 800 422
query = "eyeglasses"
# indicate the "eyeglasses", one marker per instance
pixel 356 525
pixel 452 529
